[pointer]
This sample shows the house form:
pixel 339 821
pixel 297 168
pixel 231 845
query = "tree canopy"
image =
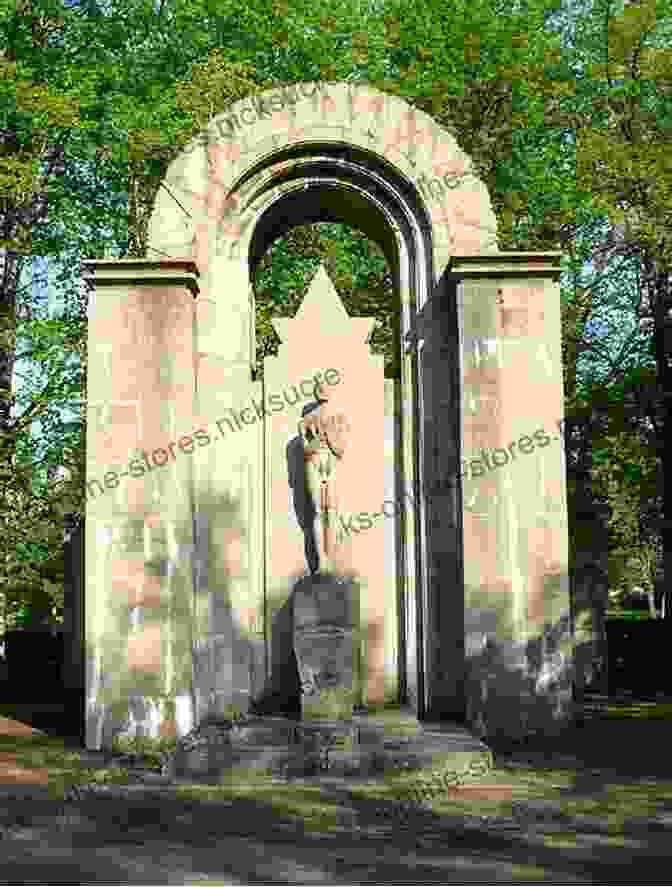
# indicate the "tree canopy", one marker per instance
pixel 565 110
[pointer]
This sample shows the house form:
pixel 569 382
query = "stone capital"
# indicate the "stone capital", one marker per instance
pixel 136 272
pixel 513 264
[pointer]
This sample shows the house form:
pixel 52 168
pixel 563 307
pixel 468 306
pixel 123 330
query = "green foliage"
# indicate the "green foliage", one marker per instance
pixel 567 149
pixel 623 160
pixel 484 76
pixel 629 615
pixel 622 117
pixel 233 712
pixel 152 749
pixel 355 264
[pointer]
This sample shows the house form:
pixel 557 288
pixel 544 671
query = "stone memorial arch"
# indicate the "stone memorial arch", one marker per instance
pixel 192 542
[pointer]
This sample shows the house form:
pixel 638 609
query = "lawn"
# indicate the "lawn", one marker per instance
pixel 615 767
pixel 593 807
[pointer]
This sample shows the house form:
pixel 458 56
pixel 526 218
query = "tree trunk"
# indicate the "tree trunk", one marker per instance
pixel 660 295
pixel 10 269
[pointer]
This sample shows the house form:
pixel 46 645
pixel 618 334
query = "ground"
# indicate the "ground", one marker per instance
pixel 593 808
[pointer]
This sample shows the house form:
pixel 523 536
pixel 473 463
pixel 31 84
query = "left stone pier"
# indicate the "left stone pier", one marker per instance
pixel 139 543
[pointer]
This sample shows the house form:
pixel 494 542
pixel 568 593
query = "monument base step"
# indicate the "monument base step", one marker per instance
pixel 368 747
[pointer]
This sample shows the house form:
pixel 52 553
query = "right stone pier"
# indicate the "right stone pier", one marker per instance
pixel 500 654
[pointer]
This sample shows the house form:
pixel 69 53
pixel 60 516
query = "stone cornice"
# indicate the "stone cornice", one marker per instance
pixel 142 272
pixel 511 264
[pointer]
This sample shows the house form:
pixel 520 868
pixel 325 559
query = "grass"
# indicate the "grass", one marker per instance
pixel 615 768
pixel 306 803
pixel 642 711
pixel 62 766
pixel 629 615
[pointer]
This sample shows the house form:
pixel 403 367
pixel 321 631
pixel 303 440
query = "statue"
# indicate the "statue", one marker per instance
pixel 323 432
pixel 324 603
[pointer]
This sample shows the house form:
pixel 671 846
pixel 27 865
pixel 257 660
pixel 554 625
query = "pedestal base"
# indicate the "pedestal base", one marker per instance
pixel 325 643
pixel 363 748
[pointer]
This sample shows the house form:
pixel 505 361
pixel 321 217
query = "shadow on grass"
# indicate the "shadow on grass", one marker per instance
pixel 630 739
pixel 426 849
pixel 605 768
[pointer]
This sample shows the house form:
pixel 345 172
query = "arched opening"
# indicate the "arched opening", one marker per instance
pixel 283 286
pixel 176 378
pixel 340 184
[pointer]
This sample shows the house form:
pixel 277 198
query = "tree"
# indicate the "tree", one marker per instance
pixel 627 473
pixel 35 122
pixel 624 160
pixel 496 78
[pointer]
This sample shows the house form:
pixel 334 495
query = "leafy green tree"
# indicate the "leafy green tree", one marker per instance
pixel 627 472
pixel 496 78
pixel 36 119
pixel 623 159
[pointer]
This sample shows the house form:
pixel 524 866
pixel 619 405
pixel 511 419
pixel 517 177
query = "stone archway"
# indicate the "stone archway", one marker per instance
pixel 318 152
pixel 338 153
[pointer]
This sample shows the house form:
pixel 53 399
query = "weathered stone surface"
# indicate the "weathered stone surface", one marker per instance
pixel 182 542
pixel 325 638
pixel 323 341
pixel 362 748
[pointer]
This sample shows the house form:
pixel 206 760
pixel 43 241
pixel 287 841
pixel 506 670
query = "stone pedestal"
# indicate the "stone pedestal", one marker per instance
pixel 386 744
pixel 325 644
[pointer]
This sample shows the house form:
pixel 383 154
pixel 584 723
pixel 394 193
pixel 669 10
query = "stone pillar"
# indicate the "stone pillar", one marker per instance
pixel 230 656
pixel 139 534
pixel 444 623
pixel 517 626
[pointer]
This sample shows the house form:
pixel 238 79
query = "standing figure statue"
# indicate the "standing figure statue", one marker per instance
pixel 323 432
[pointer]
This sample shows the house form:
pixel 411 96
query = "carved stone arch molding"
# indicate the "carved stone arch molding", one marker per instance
pixel 306 153
pixel 308 130
pixel 336 152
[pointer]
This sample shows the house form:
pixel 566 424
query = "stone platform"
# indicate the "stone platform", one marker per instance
pixel 369 747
